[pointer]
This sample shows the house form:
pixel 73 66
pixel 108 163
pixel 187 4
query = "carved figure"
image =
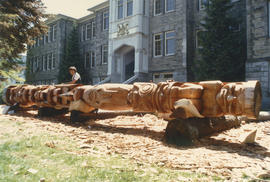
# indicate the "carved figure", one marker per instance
pixel 170 99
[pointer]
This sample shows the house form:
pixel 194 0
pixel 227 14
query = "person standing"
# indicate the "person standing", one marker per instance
pixel 76 78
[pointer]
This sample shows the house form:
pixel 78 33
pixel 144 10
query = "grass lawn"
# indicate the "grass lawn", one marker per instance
pixel 40 156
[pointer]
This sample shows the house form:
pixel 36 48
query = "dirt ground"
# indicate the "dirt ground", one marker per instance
pixel 141 138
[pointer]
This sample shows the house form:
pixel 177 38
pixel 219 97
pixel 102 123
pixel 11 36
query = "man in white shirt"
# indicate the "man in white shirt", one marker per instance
pixel 76 78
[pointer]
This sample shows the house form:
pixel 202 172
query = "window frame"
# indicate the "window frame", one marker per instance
pixel 105 20
pixel 54 29
pixel 165 38
pixel 128 2
pixel 155 14
pixel 53 60
pixel 161 46
pixel 49 63
pixel 102 53
pixel 168 11
pixel 91 54
pixel 86 29
pixel 83 33
pixel 201 5
pixel 87 60
pixel 268 18
pixel 118 7
pixel 93 28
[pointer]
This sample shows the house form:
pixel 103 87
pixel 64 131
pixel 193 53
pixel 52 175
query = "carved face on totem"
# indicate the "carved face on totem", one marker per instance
pixel 242 98
pixel 231 98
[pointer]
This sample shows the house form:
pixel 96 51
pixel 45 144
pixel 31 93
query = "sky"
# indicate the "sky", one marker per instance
pixel 73 8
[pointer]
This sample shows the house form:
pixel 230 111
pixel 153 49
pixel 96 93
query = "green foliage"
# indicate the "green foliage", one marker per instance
pixel 20 22
pixel 71 57
pixel 222 55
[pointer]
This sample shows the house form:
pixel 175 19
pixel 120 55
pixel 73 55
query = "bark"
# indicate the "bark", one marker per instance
pixel 186 131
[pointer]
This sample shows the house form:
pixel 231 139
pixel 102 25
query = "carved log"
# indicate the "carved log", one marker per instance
pixel 170 99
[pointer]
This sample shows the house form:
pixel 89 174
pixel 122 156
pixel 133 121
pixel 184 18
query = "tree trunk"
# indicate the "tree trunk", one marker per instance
pixel 185 131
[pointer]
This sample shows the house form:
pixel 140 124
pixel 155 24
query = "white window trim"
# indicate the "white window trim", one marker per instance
pixel 166 7
pixel 48 61
pixel 156 56
pixel 53 61
pixel 102 60
pixel 93 52
pixel 155 9
pixel 165 38
pixel 43 63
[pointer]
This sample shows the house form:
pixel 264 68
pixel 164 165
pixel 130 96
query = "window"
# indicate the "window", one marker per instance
pixel 104 54
pixel 54 32
pixel 168 75
pixel 93 29
pixel 170 43
pixel 38 63
pixel 162 77
pixel 158 7
pixel 53 60
pixel 88 31
pixel 120 9
pixel 170 5
pixel 202 4
pixel 235 27
pixel 48 35
pixel 93 59
pixel 49 61
pixel 35 64
pixel 87 60
pixel 157 45
pixel 36 42
pixel 105 20
pixel 32 65
pixel 129 7
pixel 45 62
pixel 51 33
pixel 144 7
pixel 83 33
pixel 46 38
pixel 41 41
pixel 268 16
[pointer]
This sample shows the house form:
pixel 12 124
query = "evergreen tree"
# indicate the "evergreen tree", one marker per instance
pixel 222 56
pixel 71 57
pixel 20 23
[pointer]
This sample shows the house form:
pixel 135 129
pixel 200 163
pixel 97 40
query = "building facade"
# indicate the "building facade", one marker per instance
pixel 258 45
pixel 125 41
